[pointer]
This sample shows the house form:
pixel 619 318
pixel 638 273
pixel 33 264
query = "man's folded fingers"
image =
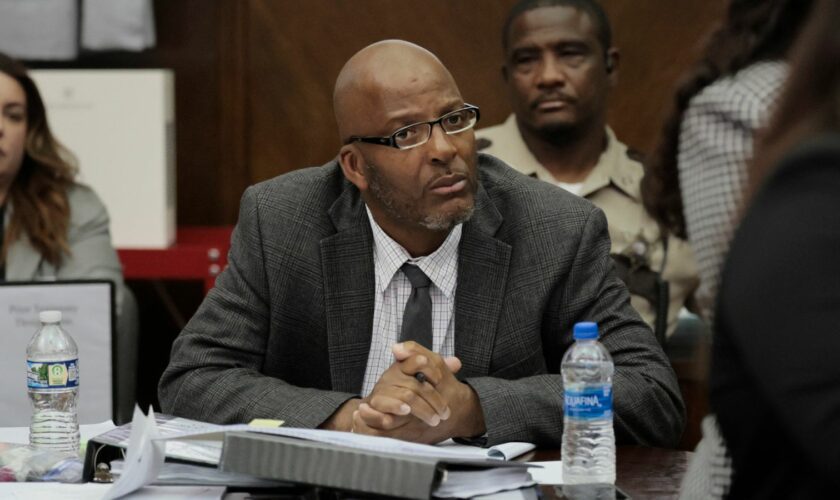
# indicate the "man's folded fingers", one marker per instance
pixel 379 420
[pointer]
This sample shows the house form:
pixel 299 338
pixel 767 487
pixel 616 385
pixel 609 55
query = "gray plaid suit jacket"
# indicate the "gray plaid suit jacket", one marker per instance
pixel 285 332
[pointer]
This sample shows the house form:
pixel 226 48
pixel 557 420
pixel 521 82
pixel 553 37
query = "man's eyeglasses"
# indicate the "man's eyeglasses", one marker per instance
pixel 418 134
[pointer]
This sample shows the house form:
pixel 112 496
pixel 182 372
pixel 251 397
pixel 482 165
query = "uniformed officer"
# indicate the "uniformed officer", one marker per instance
pixel 559 68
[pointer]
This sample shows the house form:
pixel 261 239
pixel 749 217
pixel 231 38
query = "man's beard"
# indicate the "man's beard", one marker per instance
pixel 409 212
pixel 561 134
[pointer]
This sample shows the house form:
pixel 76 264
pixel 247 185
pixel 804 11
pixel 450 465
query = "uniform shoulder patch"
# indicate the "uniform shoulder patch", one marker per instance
pixel 483 143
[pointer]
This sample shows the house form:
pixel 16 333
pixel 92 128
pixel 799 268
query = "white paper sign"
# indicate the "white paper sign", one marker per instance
pixel 87 315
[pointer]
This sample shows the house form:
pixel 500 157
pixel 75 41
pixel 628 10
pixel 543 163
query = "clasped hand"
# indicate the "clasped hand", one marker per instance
pixel 403 407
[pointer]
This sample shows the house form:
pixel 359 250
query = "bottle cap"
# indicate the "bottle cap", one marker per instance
pixel 586 330
pixel 49 316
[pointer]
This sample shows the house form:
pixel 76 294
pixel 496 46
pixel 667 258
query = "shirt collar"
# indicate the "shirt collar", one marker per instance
pixel 608 170
pixel 513 146
pixel 440 266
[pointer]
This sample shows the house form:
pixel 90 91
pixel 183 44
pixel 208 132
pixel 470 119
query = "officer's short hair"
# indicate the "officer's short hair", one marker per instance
pixel 590 7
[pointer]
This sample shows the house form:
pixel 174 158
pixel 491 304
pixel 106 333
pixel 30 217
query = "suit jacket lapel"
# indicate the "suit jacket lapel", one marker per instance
pixel 483 264
pixel 347 259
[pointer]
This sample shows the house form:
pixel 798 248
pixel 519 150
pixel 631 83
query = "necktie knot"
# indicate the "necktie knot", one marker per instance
pixel 416 276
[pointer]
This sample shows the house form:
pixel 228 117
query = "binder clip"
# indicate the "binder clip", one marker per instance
pixel 102 474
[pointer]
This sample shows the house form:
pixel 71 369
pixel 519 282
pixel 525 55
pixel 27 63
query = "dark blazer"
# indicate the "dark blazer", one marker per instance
pixel 775 379
pixel 286 331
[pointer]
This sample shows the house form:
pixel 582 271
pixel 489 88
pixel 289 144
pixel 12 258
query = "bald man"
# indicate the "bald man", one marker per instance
pixel 306 323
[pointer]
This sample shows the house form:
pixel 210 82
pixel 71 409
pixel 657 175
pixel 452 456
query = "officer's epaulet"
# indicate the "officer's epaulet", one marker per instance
pixel 635 155
pixel 482 143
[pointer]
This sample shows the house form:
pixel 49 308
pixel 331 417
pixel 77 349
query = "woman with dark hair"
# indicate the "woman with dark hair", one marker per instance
pixel 775 367
pixel 695 178
pixel 694 181
pixel 52 227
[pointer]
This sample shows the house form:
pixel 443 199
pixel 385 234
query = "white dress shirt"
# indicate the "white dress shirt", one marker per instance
pixel 391 293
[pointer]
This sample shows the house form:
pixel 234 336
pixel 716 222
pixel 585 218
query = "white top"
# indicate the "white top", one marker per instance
pixel 391 293
pixel 572 187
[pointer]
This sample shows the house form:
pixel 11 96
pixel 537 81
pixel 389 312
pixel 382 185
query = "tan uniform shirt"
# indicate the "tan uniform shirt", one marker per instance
pixel 613 186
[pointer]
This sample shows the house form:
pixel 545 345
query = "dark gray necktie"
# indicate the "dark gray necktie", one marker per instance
pixel 417 318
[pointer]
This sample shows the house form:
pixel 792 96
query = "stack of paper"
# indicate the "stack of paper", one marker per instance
pixel 201 442
pixel 204 451
pixel 444 450
pixel 90 491
pixel 176 473
pixel 504 451
pixel 470 483
pixel 307 456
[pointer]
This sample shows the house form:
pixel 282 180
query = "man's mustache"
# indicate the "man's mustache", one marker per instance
pixel 553 96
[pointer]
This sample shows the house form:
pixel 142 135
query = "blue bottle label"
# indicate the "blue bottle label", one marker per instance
pixel 52 374
pixel 591 403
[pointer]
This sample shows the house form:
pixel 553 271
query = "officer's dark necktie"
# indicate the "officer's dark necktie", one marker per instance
pixel 417 317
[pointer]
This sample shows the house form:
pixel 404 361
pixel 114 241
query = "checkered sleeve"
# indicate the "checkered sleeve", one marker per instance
pixel 716 145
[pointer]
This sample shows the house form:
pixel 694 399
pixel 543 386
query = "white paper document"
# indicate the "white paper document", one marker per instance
pixel 469 483
pixel 201 442
pixel 504 451
pixel 547 472
pixel 93 491
pixel 178 493
pixel 350 440
pixel 531 493
pixel 205 451
pixel 177 473
pixel 144 457
pixel 52 491
pixel 381 444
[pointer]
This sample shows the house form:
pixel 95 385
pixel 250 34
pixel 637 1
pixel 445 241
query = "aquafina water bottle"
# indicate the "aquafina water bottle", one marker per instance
pixel 52 375
pixel 588 451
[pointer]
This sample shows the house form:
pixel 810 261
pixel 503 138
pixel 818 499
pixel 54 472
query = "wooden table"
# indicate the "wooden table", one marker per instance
pixel 641 472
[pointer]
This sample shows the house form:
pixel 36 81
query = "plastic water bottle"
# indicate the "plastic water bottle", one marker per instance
pixel 588 450
pixel 52 375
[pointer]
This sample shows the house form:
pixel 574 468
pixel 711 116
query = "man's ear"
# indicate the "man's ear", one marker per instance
pixel 353 165
pixel 611 62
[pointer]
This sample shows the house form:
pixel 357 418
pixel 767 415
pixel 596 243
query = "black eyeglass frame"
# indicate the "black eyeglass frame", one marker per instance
pixel 391 140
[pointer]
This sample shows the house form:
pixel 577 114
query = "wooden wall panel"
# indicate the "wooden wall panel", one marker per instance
pixel 234 125
pixel 187 43
pixel 254 77
pixel 659 40
pixel 296 50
